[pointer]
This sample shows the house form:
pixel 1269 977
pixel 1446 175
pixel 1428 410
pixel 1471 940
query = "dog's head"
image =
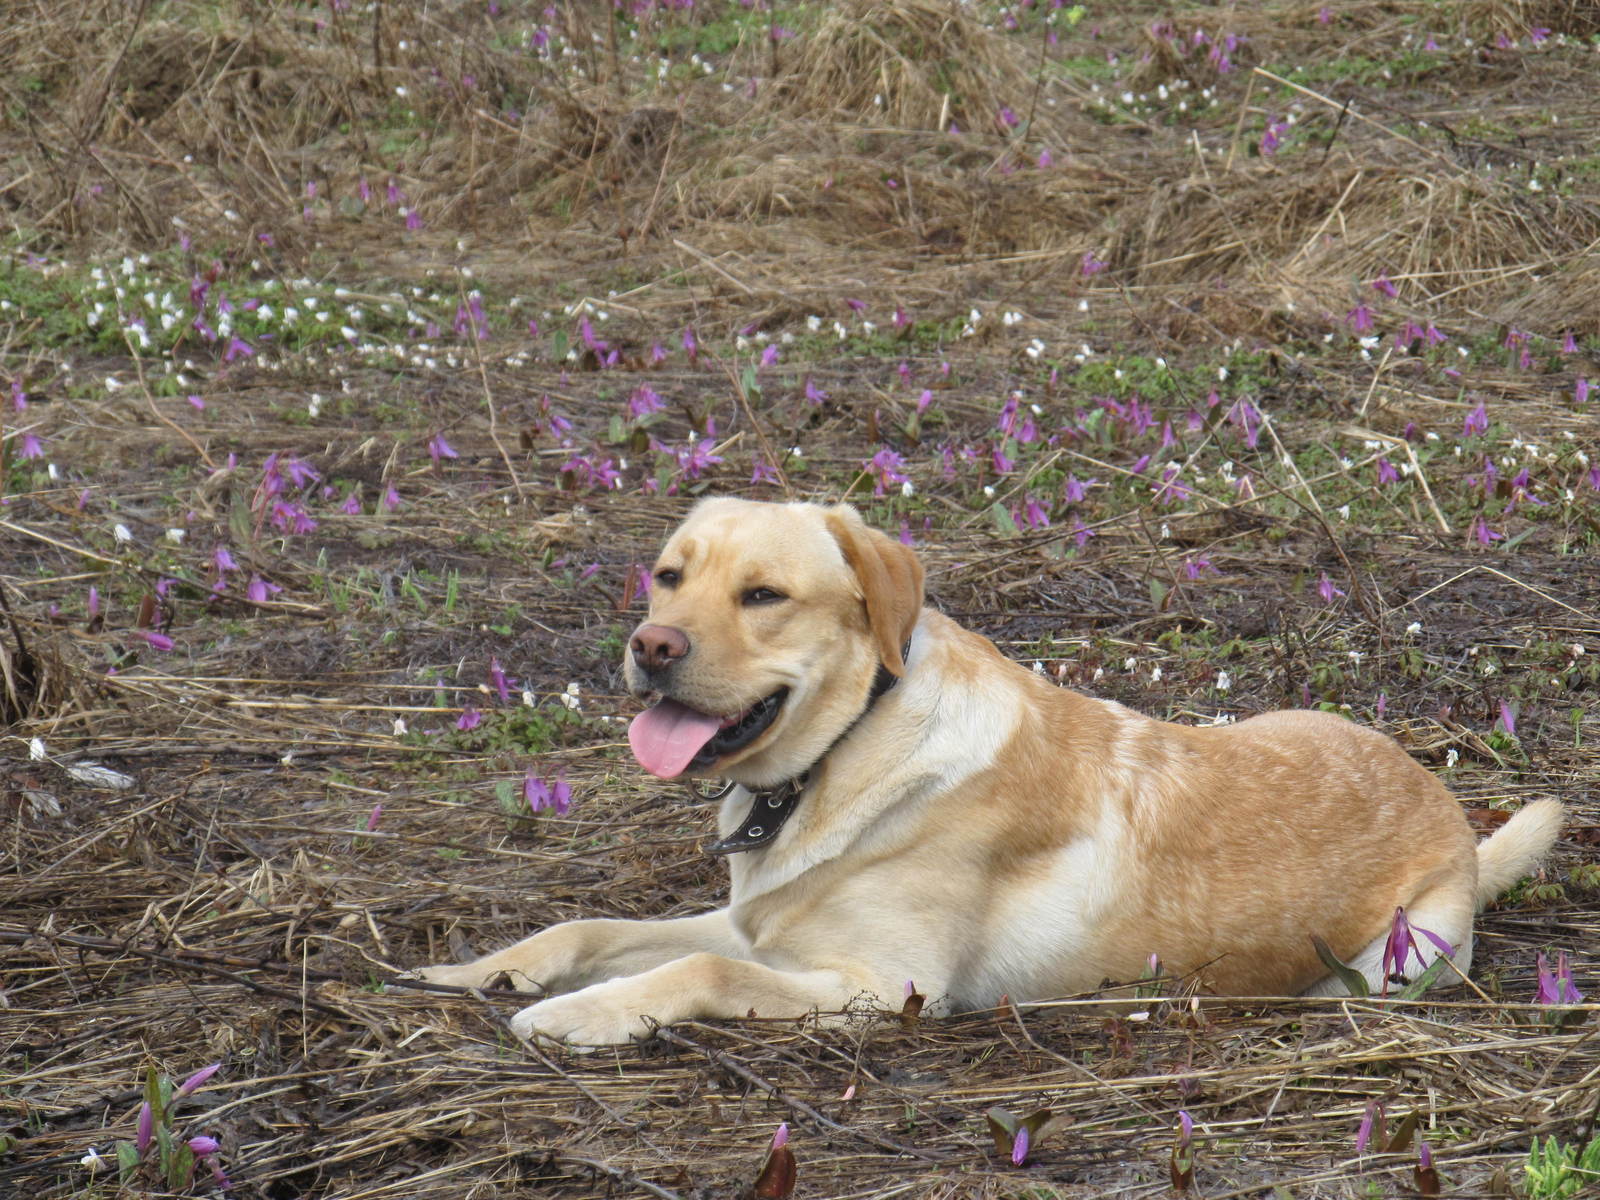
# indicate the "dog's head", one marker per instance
pixel 767 626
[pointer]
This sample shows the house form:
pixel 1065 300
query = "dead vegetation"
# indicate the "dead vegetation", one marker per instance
pixel 196 867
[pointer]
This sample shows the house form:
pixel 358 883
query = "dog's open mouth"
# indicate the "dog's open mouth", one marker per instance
pixel 670 737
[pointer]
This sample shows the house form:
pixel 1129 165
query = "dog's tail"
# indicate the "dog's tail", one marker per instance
pixel 1515 847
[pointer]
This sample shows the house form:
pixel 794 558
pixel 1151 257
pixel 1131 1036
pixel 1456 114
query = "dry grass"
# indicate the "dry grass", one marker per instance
pixel 233 906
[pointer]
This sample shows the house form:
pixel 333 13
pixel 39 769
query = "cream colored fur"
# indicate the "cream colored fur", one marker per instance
pixel 981 832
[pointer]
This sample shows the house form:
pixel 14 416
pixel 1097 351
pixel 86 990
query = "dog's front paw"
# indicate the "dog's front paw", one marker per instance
pixel 600 1015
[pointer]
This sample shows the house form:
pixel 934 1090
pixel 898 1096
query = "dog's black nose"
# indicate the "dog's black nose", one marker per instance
pixel 658 646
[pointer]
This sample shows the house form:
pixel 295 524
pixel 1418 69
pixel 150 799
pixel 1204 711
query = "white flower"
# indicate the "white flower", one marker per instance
pixel 570 697
pixel 1414 628
pixel 176 536
pixel 1451 756
pixel 36 750
pixel 399 726
pixel 907 490
pixel 529 700
pixel 92 1160
pixel 122 533
pixel 1224 681
pixel 1155 674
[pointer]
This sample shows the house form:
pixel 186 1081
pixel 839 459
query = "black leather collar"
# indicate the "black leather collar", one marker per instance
pixel 771 808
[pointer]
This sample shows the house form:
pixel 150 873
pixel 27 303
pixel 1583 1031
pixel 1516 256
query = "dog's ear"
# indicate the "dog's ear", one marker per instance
pixel 890 577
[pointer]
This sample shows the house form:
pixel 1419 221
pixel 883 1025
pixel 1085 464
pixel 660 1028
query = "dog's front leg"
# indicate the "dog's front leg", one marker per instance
pixel 577 953
pixel 700 985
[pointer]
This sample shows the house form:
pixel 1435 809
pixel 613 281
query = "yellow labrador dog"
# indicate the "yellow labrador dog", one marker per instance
pixel 906 804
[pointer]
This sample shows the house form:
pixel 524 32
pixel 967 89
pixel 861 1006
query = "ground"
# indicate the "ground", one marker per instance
pixel 356 359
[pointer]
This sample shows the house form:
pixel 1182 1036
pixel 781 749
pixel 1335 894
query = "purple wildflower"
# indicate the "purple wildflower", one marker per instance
pixel 391 498
pixel 1019 1146
pixel 1485 535
pixel 769 356
pixel 762 471
pixel 1326 589
pixel 1569 345
pixel 146 1131
pixel 814 394
pixel 1169 491
pixel 1557 987
pixel 438 448
pixel 259 590
pixel 502 685
pixel 469 719
pixel 1387 472
pixel 542 793
pixel 691 345
pixel 1580 391
pixel 1384 286
pixel 1508 718
pixel 1402 945
pixel 203 1146
pixel 884 467
pixel 196 1081
pixel 374 817
pixel 1477 421
pixel 1359 319
pixel 32 447
pixel 644 401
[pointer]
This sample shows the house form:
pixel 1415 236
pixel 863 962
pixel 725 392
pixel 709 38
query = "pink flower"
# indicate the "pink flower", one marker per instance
pixel 259 590
pixel 146 1131
pixel 1383 285
pixel 769 356
pixel 1326 589
pixel 781 1137
pixel 1485 535
pixel 1557 987
pixel 1387 473
pixel 203 1146
pixel 1569 344
pixel 691 345
pixel 1402 944
pixel 196 1081
pixel 1580 391
pixel 157 641
pixel 1359 319
pixel 469 719
pixel 542 793
pixel 438 449
pixel 1477 421
pixel 32 447
pixel 352 504
pixel 1019 1146
pixel 374 817
pixel 1090 265
pixel 1508 718
pixel 391 498
pixel 814 394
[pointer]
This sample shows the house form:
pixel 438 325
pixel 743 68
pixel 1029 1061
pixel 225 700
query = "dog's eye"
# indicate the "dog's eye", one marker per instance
pixel 668 578
pixel 762 595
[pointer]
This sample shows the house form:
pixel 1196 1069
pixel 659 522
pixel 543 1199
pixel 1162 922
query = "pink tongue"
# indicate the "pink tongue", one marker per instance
pixel 667 737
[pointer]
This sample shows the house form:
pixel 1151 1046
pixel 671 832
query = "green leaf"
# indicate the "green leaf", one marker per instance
pixel 1354 981
pixel 559 344
pixel 127 1160
pixel 1004 523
